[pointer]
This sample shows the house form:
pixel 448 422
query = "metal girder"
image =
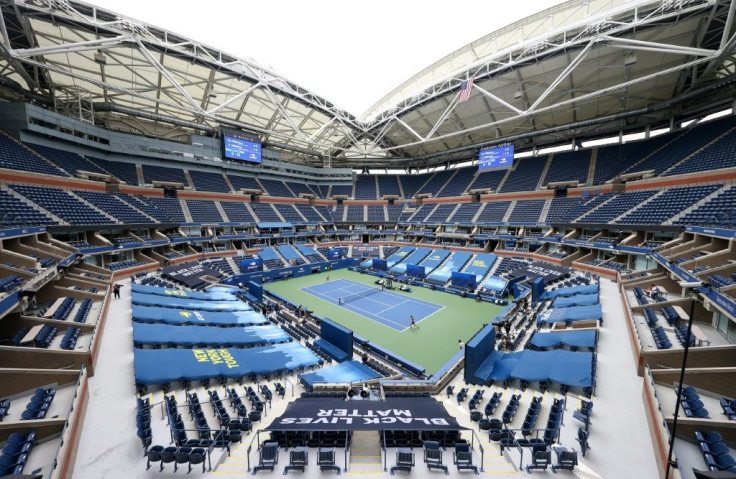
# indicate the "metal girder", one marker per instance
pixel 631 44
pixel 568 69
pixel 113 31
pixel 533 48
pixel 282 110
pixel 581 98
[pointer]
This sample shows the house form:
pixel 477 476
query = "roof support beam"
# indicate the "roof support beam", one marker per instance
pixel 561 104
pixel 631 44
pixel 158 66
pixel 98 44
pixel 285 114
pixel 442 117
pixel 410 129
pixel 497 99
pixel 233 99
pixel 568 69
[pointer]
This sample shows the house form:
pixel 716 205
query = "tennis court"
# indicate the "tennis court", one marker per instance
pixel 448 318
pixel 384 307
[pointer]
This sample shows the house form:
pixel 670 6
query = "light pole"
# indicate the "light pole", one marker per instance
pixel 688 286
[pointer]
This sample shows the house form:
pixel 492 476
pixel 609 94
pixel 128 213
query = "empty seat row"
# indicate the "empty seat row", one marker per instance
pixel 716 453
pixel 15 453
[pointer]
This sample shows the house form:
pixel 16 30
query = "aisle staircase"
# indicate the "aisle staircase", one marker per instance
pixel 365 453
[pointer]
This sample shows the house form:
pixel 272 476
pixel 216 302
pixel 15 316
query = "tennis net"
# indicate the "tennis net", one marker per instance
pixel 362 294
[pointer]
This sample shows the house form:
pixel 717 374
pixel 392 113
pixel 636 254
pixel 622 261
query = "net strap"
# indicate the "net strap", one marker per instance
pixel 362 294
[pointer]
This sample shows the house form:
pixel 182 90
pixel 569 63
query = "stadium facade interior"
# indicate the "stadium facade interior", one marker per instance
pixel 520 260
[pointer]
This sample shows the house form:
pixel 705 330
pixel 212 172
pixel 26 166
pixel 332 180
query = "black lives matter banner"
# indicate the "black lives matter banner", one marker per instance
pixel 410 414
pixel 536 269
pixel 189 274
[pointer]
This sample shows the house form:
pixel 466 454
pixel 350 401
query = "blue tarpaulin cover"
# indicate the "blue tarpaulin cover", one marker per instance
pixel 184 303
pixel 495 283
pixel 561 366
pixel 144 314
pixel 212 336
pixel 573 313
pixel 348 371
pixel 455 263
pixel 579 339
pixel 571 291
pixel 577 300
pixel 161 366
pixel 180 293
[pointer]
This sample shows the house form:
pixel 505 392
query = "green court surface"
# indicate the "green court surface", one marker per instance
pixel 431 346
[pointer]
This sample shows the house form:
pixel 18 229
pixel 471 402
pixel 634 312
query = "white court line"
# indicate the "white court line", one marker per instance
pixel 382 319
pixel 400 295
pixel 371 316
pixel 374 316
pixel 430 314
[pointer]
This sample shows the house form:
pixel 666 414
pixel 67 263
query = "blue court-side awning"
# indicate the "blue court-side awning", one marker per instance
pixel 275 225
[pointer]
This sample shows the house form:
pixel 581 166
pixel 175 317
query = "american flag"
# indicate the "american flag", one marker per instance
pixel 465 90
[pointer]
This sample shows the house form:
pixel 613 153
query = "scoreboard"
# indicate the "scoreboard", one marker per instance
pixel 496 158
pixel 241 146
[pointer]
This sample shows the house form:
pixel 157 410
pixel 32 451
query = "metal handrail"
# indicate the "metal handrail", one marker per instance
pixel 383 449
pixel 286 381
pixel 257 435
pixel 480 446
pixel 348 435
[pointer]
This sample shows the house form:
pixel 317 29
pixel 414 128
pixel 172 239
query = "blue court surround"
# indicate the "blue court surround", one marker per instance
pixel 384 307
pixel 347 372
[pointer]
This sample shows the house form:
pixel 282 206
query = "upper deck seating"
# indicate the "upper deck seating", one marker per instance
pixel 14 212
pixel 237 212
pixel 67 160
pixel 276 188
pixel 14 156
pixel 289 213
pixel 458 183
pixel 493 212
pixel 114 206
pixel 526 211
pixel 204 211
pixel 153 173
pixel 244 182
pixel 365 187
pixel 388 185
pixel 207 181
pixel 341 190
pixel 569 166
pixel 119 169
pixel 436 183
pixel 526 175
pixel 412 183
pixel 63 205
pixel 668 204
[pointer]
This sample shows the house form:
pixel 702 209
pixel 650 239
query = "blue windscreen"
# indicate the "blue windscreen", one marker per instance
pixel 415 271
pixel 478 349
pixel 255 290
pixel 463 280
pixel 251 265
pixel 337 335
pixel 379 264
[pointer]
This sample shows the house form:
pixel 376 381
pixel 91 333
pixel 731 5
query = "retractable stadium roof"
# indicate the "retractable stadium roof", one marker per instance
pixel 582 69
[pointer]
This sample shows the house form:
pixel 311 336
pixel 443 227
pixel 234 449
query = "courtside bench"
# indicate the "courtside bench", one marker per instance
pixel 413 368
pixel 332 351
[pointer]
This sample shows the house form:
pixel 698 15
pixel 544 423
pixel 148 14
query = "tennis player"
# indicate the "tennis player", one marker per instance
pixel 413 322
